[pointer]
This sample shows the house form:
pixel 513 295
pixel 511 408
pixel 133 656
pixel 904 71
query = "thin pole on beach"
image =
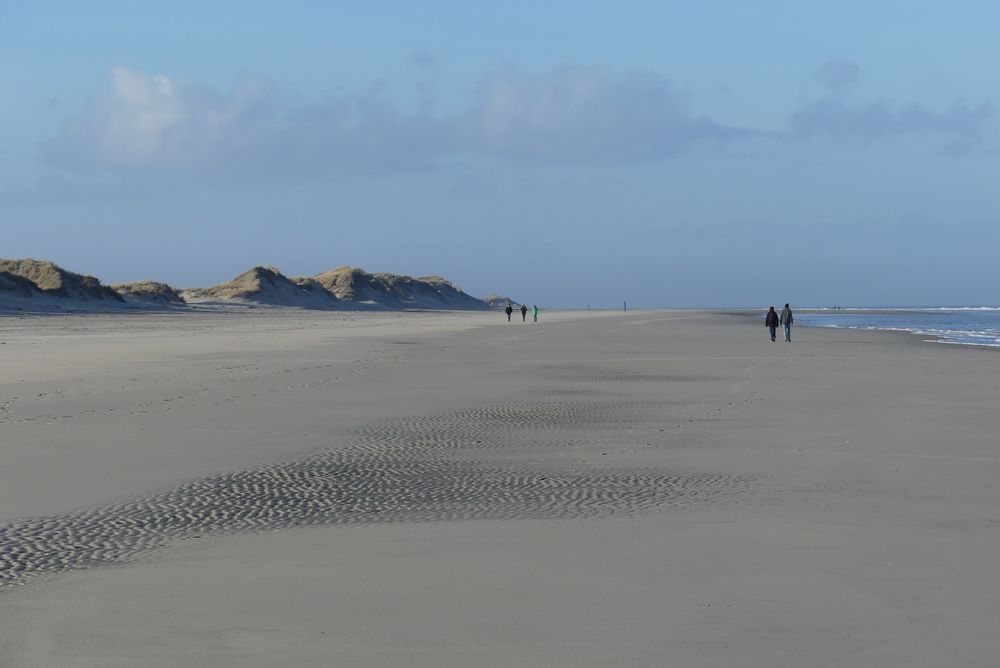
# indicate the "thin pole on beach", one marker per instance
pixel 625 306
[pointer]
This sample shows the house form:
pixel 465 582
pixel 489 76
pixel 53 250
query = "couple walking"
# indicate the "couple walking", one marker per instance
pixel 524 312
pixel 772 320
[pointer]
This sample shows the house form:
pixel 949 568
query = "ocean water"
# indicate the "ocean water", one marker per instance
pixel 965 325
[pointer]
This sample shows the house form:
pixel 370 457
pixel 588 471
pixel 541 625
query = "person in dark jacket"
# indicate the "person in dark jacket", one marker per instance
pixel 524 313
pixel 508 311
pixel 787 320
pixel 771 321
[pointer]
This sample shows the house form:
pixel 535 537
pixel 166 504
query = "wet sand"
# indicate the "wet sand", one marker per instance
pixel 650 488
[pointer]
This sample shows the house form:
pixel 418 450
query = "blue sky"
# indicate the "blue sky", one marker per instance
pixel 567 153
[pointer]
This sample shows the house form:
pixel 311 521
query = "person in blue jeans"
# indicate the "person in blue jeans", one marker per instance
pixel 786 320
pixel 771 321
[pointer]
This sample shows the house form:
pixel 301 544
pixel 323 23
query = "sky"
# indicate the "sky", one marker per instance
pixel 669 154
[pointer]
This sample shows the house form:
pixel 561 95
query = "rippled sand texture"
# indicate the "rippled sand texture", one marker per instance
pixel 425 469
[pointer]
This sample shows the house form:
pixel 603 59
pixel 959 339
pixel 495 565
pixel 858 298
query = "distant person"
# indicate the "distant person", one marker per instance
pixel 524 313
pixel 534 313
pixel 787 320
pixel 508 311
pixel 771 321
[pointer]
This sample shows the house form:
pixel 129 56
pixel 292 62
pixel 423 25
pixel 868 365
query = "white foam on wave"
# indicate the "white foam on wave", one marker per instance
pixel 960 308
pixel 990 338
pixel 845 310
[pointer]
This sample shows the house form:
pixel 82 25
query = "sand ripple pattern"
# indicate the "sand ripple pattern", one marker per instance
pixel 446 467
pixel 641 378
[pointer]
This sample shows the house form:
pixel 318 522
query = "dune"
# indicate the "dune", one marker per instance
pixel 51 279
pixel 394 291
pixel 41 285
pixel 17 286
pixel 151 292
pixel 498 300
pixel 268 286
pixel 448 293
pixel 350 284
pixel 342 287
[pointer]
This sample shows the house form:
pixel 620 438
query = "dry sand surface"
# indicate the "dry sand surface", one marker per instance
pixel 598 489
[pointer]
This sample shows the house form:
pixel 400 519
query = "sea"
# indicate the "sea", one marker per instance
pixel 960 325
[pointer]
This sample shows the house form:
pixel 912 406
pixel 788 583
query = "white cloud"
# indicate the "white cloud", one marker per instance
pixel 155 124
pixel 578 114
pixel 152 120
pixel 837 115
pixel 585 114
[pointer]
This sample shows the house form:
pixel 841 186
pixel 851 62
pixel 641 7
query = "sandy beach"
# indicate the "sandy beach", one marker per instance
pixel 661 488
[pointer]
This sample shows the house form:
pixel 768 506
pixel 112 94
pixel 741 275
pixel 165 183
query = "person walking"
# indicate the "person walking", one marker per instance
pixel 786 320
pixel 508 311
pixel 534 313
pixel 524 313
pixel 771 321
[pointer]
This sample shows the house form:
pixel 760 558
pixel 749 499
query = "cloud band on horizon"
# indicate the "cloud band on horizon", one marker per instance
pixel 571 115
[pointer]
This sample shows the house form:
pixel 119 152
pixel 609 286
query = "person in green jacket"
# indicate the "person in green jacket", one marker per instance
pixel 534 312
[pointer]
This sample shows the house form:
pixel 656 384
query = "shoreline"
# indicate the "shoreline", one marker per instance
pixel 925 336
pixel 291 313
pixel 265 311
